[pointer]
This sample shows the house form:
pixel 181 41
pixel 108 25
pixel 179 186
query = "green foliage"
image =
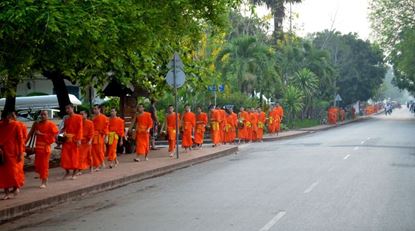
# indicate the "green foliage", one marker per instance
pixel 292 102
pixel 394 25
pixel 359 64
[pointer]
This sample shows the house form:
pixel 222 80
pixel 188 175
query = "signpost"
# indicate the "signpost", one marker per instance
pixel 337 99
pixel 176 78
pixel 215 88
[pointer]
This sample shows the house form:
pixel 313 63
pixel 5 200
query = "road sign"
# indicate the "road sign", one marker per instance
pixel 221 88
pixel 180 78
pixel 176 62
pixel 338 98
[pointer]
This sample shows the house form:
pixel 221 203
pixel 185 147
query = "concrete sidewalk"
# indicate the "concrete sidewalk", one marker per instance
pixel 32 198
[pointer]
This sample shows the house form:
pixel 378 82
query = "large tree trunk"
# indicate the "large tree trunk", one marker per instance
pixel 279 14
pixel 60 89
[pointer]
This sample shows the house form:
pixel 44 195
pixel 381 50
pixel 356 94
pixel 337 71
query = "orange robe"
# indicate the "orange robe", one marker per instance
pixel 42 147
pixel 228 128
pixel 70 150
pixel 172 129
pixel 23 130
pixel 142 138
pixel 189 123
pixel 116 131
pixel 201 122
pixel 261 125
pixel 222 125
pixel 271 121
pixel 98 145
pixel 215 119
pixel 254 125
pixel 11 142
pixel 85 150
pixel 280 112
pixel 242 123
pixel 332 115
pixel 234 124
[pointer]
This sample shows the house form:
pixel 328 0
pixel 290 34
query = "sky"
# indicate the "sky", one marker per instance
pixel 343 15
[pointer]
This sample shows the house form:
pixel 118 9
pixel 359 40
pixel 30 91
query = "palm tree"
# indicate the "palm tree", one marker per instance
pixel 293 102
pixel 308 83
pixel 278 11
pixel 245 63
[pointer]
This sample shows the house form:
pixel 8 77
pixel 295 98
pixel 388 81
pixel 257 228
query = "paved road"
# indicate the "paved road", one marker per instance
pixel 357 177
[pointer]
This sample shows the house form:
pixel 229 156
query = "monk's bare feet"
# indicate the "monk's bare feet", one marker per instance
pixel 42 186
pixel 6 197
pixel 16 191
pixel 73 177
pixel 137 159
pixel 171 155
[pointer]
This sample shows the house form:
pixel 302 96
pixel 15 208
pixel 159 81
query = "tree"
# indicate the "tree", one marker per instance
pixel 293 102
pixel 359 64
pixel 84 41
pixel 278 11
pixel 394 25
pixel 307 82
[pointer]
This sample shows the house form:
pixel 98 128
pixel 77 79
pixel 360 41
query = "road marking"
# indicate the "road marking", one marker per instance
pixel 273 221
pixel 346 157
pixel 312 186
pixel 362 142
pixel 355 148
pixel 368 138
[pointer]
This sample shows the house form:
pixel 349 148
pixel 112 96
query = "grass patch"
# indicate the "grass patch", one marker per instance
pixel 305 123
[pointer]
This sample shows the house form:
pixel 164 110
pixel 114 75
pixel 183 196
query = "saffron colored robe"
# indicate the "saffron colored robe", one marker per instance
pixel 261 125
pixel 172 129
pixel 98 146
pixel 215 119
pixel 201 122
pixel 242 125
pixel 11 141
pixel 116 131
pixel 49 131
pixel 189 124
pixel 234 127
pixel 271 121
pixel 85 150
pixel 70 150
pixel 254 125
pixel 142 138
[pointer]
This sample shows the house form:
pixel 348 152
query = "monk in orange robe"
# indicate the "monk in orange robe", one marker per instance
pixel 215 119
pixel 23 130
pixel 222 124
pixel 101 123
pixel 234 124
pixel 254 124
pixel 73 135
pixel 201 122
pixel 271 120
pixel 188 125
pixel 11 143
pixel 45 132
pixel 242 122
pixel 261 124
pixel 85 149
pixel 228 128
pixel 171 127
pixel 116 133
pixel 143 124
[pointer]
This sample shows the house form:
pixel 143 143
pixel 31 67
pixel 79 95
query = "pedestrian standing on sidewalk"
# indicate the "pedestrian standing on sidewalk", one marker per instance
pixel 45 132
pixel 11 156
pixel 154 129
pixel 188 125
pixel 101 123
pixel 85 149
pixel 115 137
pixel 143 123
pixel 201 122
pixel 72 141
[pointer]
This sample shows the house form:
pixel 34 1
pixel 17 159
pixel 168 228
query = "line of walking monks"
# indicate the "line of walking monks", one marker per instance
pixel 86 143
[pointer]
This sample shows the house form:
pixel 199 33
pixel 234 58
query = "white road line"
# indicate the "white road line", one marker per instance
pixel 368 138
pixel 346 157
pixel 273 221
pixel 362 142
pixel 355 148
pixel 312 186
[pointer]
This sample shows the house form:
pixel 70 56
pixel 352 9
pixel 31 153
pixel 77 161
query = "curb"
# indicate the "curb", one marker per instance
pixel 31 207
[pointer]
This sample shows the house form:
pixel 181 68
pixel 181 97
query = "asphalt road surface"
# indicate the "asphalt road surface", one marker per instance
pixel 356 177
